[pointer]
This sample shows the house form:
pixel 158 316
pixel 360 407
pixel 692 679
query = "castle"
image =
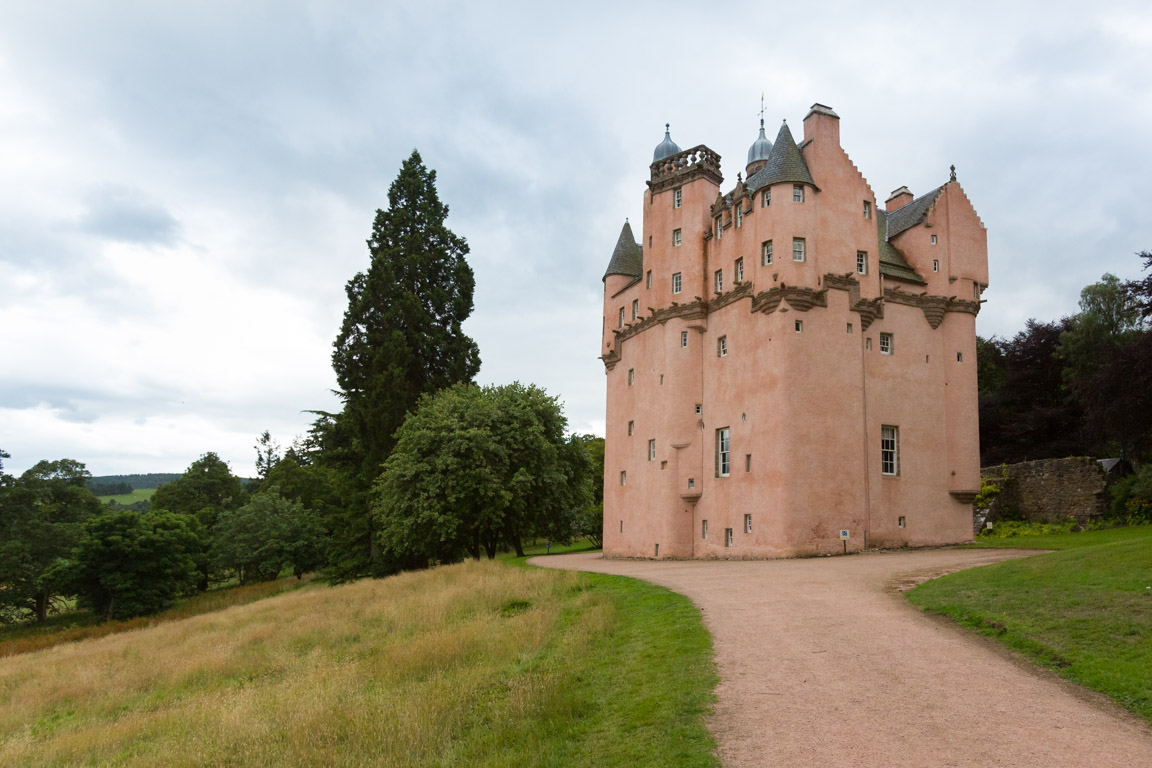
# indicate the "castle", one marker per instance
pixel 791 368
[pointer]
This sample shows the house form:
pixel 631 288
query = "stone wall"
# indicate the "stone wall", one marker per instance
pixel 1046 491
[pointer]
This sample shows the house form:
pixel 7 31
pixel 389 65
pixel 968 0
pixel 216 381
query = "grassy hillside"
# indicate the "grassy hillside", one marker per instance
pixel 128 499
pixel 1085 611
pixel 477 664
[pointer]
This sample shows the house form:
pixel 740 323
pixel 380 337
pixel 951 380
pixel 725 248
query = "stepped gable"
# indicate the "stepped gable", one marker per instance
pixel 785 164
pixel 892 262
pixel 628 256
pixel 913 213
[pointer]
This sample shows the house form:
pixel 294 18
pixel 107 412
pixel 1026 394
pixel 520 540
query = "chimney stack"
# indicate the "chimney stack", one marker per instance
pixel 898 199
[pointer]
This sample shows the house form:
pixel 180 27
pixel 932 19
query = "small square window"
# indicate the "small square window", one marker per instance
pixel 739 214
pixel 676 238
pixel 719 281
pixel 867 209
pixel 935 265
pixel 631 428
pixel 651 450
pixel 676 283
pixel 648 280
pixel 766 253
pixel 727 537
pixel 747 523
pixel 677 198
pixel 766 198
pixel 798 249
pixel 797 193
pixel 738 270
pixel 933 239
pixel 635 309
pixel 683 338
pixel 722 346
pixel 861 262
pixel 885 343
pixel 691 482
pixel 623 477
pixel 849 328
pixel 631 376
pixel 799 326
pixel 703 529
pixel 719 226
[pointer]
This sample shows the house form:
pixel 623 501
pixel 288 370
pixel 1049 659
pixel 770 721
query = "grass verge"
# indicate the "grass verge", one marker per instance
pixel 1084 611
pixel 475 664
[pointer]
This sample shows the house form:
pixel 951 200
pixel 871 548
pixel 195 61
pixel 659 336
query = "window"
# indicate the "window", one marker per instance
pixel 739 214
pixel 677 198
pixel 648 280
pixel 861 262
pixel 797 249
pixel 766 198
pixel 849 328
pixel 683 338
pixel 868 343
pixel 676 283
pixel 799 326
pixel 691 482
pixel 722 346
pixel 723 452
pixel 631 428
pixel 959 357
pixel 635 308
pixel 890 450
pixel 727 537
pixel 623 477
pixel 885 343
pixel 621 526
pixel 797 193
pixel 747 523
pixel 900 522
pixel 631 376
pixel 867 209
pixel 699 408
pixel 621 317
pixel 738 271
pixel 933 239
pixel 766 253
pixel 935 265
pixel 703 529
pixel 661 379
pixel 651 450
pixel 719 226
pixel 747 462
pixel 719 280
pixel 676 239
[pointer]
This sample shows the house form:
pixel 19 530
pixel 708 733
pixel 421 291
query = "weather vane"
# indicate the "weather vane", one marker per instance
pixel 761 106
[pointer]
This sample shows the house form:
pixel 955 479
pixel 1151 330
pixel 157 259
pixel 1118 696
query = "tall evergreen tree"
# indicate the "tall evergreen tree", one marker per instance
pixel 401 337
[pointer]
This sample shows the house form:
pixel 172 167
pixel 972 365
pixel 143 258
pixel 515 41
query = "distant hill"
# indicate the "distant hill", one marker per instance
pixel 153 480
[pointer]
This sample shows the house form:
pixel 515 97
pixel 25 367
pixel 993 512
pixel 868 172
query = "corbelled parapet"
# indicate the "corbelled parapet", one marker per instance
pixel 679 169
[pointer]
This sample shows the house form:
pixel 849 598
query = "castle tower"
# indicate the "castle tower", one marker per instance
pixel 787 361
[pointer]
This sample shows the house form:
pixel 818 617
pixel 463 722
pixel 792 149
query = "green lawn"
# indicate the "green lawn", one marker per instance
pixel 1084 611
pixel 128 499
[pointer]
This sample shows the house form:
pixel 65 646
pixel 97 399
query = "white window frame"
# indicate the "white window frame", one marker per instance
pixel 890 450
pixel 886 343
pixel 677 283
pixel 935 265
pixel 738 270
pixel 861 262
pixel 703 529
pixel 799 326
pixel 747 523
pixel 623 477
pixel 684 339
pixel 739 215
pixel 766 198
pixel 651 450
pixel 867 209
pixel 677 238
pixel 723 452
pixel 677 198
pixel 727 537
pixel 933 239
pixel 621 317
pixel 635 309
pixel 718 280
pixel 765 253
pixel 719 226
pixel 799 249
pixel 797 193
pixel 722 346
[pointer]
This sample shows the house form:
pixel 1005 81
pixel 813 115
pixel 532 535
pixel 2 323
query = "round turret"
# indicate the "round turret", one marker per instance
pixel 666 148
pixel 758 152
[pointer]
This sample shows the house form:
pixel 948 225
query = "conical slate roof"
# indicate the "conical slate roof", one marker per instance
pixel 785 163
pixel 666 148
pixel 760 148
pixel 628 256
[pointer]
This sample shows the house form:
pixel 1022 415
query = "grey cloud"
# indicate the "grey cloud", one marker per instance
pixel 126 216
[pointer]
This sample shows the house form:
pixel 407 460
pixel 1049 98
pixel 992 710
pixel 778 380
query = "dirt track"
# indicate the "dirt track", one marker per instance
pixel 823 663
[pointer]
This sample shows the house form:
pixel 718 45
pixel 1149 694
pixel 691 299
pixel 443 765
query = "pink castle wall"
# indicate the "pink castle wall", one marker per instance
pixel 807 407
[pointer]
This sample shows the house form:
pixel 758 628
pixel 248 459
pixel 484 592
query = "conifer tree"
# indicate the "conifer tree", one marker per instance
pixel 401 337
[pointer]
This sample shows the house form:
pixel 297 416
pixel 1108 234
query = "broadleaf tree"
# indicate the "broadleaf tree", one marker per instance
pixel 401 337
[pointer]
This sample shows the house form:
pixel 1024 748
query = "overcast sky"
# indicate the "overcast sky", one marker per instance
pixel 185 187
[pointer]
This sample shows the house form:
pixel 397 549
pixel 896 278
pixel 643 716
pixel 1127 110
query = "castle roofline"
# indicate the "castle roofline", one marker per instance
pixel 627 257
pixel 892 262
pixel 785 164
pixel 911 214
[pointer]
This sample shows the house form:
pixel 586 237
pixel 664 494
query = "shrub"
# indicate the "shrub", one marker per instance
pixel 1007 529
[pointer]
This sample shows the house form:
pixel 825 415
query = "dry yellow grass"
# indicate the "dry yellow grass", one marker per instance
pixel 456 666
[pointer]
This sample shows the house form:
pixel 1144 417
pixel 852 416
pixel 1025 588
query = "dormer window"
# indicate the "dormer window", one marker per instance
pixel 677 198
pixel 766 198
pixel 797 193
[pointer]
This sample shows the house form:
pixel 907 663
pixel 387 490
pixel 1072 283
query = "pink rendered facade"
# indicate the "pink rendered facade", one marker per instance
pixel 788 360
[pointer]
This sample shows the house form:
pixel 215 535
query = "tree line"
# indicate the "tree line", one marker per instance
pixel 420 466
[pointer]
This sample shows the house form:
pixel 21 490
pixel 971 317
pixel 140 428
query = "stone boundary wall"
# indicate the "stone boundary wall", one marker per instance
pixel 1047 491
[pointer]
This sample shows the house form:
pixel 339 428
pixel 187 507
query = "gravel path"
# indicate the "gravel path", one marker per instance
pixel 823 663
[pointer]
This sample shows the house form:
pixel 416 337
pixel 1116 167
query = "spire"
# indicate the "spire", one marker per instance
pixel 666 148
pixel 785 163
pixel 627 257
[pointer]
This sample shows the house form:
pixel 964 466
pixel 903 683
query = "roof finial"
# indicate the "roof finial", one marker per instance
pixel 953 177
pixel 667 129
pixel 761 109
